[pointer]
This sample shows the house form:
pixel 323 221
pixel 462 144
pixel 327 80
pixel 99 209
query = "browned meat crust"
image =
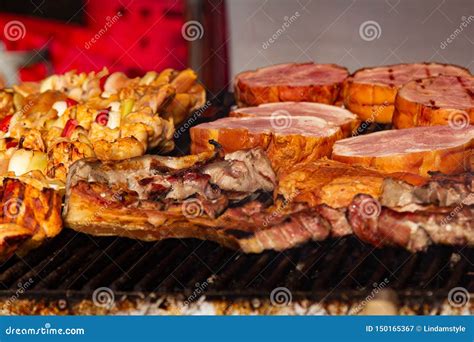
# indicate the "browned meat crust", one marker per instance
pixel 291 141
pixel 29 215
pixel 116 199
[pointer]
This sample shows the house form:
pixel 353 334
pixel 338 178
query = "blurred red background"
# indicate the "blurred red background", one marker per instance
pixel 123 35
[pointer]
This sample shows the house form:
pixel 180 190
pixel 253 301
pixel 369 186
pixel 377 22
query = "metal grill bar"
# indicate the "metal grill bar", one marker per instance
pixel 75 262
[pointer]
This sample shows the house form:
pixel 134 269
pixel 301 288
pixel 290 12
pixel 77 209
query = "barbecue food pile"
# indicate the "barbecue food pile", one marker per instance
pixel 46 126
pixel 286 167
pixel 229 200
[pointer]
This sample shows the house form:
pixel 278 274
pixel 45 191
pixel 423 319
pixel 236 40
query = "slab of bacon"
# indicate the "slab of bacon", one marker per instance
pixel 229 200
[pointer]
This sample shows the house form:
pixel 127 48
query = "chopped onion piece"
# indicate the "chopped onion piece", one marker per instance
pixel 115 106
pixel 60 107
pixel 114 120
pixel 20 161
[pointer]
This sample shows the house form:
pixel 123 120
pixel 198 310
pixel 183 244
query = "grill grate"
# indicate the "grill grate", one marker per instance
pixel 77 264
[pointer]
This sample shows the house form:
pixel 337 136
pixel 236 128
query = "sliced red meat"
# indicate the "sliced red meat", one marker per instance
pixel 371 92
pixel 415 150
pixel 290 82
pixel 442 100
pixel 332 114
pixel 287 140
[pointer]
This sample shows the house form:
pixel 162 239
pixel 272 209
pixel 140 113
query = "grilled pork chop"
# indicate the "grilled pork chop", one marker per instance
pixel 229 200
pixel 225 199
